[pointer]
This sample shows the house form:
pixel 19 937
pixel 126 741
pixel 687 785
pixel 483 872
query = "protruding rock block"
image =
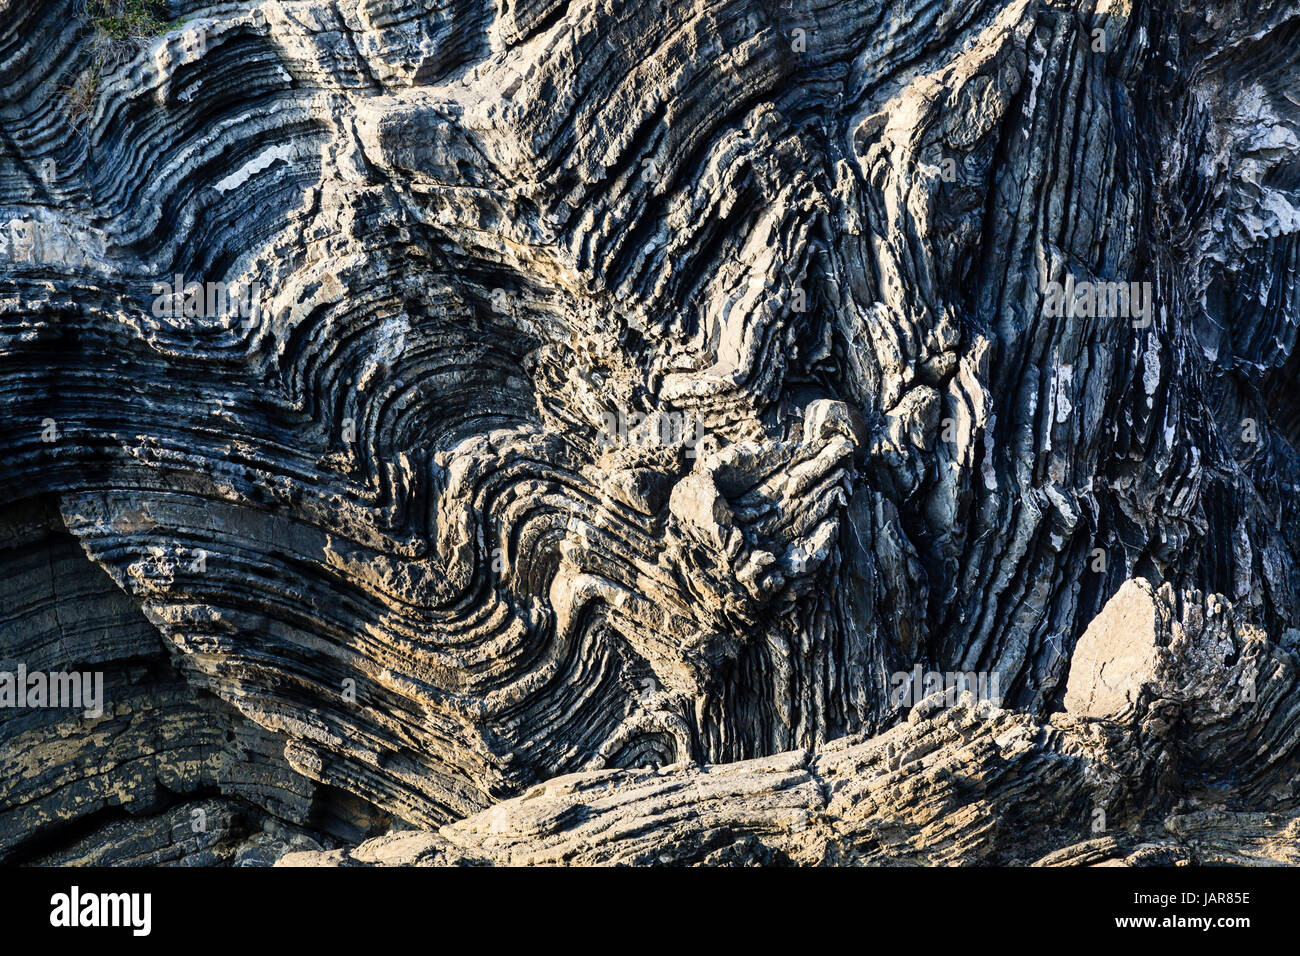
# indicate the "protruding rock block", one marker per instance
pixel 1117 654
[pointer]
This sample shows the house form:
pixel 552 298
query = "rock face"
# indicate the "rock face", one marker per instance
pixel 1115 654
pixel 962 784
pixel 622 432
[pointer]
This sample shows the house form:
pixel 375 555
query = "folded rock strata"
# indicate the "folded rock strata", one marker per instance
pixel 607 385
pixel 1211 726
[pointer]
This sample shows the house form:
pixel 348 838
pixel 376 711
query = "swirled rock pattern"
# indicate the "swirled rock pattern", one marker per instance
pixel 954 784
pixel 564 426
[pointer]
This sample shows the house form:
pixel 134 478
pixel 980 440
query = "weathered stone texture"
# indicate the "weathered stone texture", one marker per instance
pixel 642 385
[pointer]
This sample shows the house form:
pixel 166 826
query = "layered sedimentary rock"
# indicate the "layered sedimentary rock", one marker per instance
pixel 961 781
pixel 409 403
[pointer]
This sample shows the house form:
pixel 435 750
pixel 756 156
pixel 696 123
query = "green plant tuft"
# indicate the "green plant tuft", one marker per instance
pixel 119 30
pixel 80 94
pixel 123 20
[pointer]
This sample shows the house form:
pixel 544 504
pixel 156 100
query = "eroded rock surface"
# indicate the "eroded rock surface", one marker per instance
pixel 952 784
pixel 621 385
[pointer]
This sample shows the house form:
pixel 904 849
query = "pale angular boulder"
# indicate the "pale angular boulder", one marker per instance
pixel 1117 654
